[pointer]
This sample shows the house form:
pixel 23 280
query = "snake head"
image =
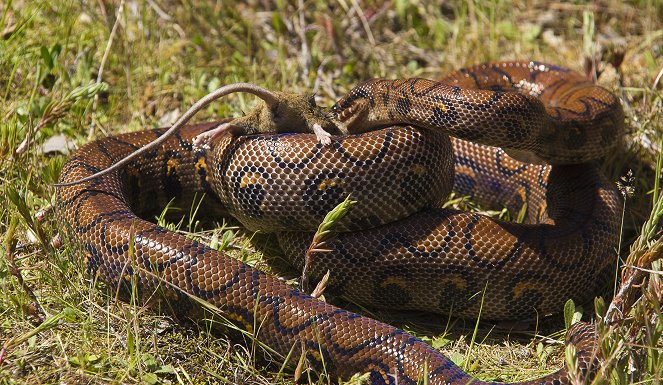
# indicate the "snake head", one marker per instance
pixel 355 113
pixel 353 118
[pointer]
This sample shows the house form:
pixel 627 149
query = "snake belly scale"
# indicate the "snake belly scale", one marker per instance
pixel 563 252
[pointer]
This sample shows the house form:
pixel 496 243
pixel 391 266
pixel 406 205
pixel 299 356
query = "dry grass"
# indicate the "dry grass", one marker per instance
pixel 164 55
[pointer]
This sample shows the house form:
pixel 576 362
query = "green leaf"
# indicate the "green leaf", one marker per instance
pixel 412 66
pixel 570 356
pixel 572 314
pixel 150 378
pixel 92 358
pixel 46 57
pixel 522 213
pixel 348 68
pixel 278 23
pixel 32 341
pixel 599 307
pixel 168 369
pixel 213 84
pixel 439 342
pixel 214 242
pixel 457 358
pixel 52 169
pixel 18 199
pixel 336 214
pixel 569 310
pixel 55 51
pixel 539 349
pixel 401 8
pixel 149 361
pixel 531 32
pixel 589 31
pixel 131 346
pixel 508 30
pixel 226 238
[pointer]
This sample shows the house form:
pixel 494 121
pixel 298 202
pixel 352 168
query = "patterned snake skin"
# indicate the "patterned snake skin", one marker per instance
pixel 435 259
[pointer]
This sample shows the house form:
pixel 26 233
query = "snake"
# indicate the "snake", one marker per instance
pixel 398 247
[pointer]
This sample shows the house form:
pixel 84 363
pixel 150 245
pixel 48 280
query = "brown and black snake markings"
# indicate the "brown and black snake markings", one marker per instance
pixel 408 254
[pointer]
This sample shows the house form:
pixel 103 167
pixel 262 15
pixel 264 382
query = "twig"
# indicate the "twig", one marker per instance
pixel 57 109
pixel 24 144
pixel 46 324
pixel 305 53
pixel 100 73
pixel 632 277
pixel 318 75
pixel 364 22
pixel 646 270
pixel 162 14
pixel 321 286
pixel 320 238
pixel 657 80
pixel 10 244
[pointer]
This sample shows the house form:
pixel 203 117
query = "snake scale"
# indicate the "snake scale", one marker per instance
pixel 409 255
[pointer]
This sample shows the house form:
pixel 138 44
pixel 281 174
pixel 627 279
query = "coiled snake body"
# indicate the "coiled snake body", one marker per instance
pixel 435 259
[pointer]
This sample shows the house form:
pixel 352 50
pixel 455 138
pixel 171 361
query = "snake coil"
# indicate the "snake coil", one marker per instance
pixel 408 255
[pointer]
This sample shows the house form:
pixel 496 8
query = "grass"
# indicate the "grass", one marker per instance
pixel 58 327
